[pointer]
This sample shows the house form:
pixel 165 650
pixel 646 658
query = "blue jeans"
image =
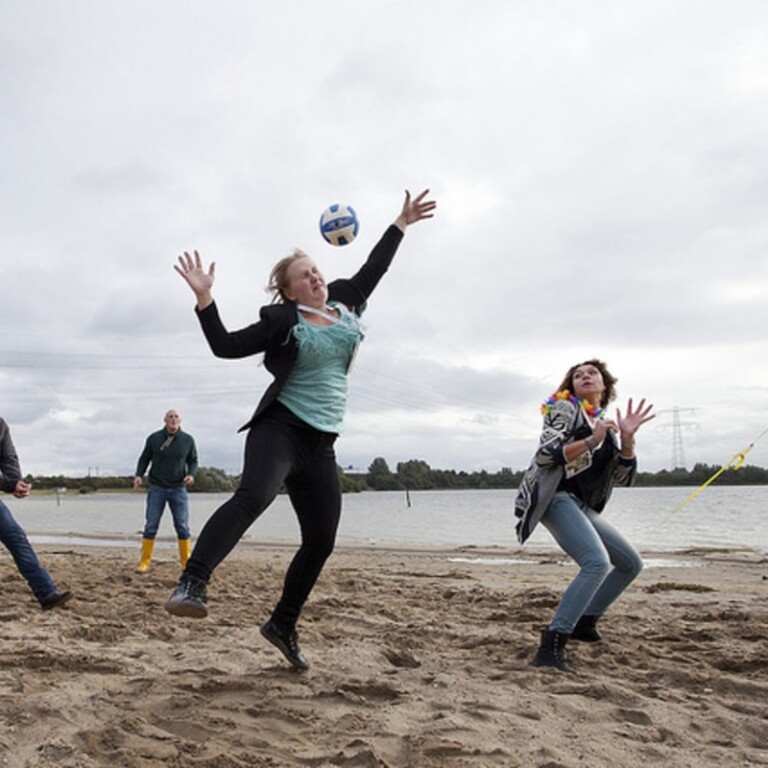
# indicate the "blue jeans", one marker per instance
pixel 608 562
pixel 177 500
pixel 17 543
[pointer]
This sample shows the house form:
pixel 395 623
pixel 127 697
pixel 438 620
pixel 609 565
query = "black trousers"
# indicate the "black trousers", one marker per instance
pixel 280 448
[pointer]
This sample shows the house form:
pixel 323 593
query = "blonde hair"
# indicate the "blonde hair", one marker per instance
pixel 278 277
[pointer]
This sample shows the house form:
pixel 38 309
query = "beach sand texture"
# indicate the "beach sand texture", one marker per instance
pixel 415 661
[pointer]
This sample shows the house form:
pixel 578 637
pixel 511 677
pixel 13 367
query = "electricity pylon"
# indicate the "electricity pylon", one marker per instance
pixel 678 453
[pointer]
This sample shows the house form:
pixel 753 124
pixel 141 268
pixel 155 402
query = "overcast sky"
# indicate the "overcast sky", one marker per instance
pixel 601 172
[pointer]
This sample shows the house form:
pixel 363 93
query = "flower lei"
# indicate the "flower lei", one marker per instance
pixel 592 411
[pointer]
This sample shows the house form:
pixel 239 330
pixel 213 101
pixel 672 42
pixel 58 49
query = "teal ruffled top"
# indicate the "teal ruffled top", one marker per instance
pixel 317 388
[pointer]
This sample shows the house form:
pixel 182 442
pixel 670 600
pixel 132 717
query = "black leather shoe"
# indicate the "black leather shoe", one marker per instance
pixel 287 643
pixel 188 599
pixel 55 599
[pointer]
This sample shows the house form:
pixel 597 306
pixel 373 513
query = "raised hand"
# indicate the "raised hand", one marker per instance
pixel 200 281
pixel 415 210
pixel 602 427
pixel 633 419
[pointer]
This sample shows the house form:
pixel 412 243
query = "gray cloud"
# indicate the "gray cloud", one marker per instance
pixel 601 178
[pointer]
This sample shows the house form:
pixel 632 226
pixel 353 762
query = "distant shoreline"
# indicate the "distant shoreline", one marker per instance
pixel 248 549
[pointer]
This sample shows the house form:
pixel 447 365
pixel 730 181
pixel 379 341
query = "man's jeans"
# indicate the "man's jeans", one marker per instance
pixel 17 543
pixel 177 500
pixel 608 561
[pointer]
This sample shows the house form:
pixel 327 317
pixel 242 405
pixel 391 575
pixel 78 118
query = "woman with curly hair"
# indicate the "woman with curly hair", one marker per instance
pixel 581 456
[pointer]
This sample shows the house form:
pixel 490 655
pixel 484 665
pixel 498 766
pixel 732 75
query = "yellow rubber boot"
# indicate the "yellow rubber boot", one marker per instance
pixel 147 545
pixel 185 550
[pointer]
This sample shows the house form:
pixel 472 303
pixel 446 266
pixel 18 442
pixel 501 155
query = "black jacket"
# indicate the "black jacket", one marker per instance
pixel 272 334
pixel 10 470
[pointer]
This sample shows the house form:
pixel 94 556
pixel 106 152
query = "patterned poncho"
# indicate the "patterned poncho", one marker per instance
pixel 564 423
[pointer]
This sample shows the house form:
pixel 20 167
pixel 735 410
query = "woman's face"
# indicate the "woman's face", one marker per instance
pixel 306 284
pixel 588 383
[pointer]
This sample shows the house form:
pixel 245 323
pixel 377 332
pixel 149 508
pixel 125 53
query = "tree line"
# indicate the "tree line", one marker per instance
pixel 418 475
pixel 207 480
pixel 413 475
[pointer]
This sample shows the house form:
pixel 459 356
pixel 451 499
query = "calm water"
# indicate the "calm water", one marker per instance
pixel 719 517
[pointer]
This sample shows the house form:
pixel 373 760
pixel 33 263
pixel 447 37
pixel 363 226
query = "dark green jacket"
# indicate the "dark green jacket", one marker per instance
pixel 172 456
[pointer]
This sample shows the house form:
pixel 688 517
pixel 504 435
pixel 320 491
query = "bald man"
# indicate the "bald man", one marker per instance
pixel 172 457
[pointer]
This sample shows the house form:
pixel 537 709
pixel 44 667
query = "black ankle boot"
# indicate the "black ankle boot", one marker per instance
pixel 586 630
pixel 551 652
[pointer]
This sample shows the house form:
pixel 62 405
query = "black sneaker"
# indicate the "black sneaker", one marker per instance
pixel 188 599
pixel 286 642
pixel 55 599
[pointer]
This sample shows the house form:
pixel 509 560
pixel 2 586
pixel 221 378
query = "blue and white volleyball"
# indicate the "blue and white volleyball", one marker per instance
pixel 339 224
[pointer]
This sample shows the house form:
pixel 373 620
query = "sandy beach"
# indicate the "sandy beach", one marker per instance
pixel 417 659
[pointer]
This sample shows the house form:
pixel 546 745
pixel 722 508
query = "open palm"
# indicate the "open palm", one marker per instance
pixel 191 269
pixel 634 419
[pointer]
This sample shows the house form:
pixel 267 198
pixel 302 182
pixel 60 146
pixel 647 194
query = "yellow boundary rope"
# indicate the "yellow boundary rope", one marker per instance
pixel 736 461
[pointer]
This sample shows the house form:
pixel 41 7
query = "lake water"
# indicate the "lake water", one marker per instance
pixel 719 517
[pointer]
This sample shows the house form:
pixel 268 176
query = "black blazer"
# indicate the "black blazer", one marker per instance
pixel 272 333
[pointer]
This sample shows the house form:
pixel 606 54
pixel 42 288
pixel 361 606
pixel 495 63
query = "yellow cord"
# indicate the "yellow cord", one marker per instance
pixel 736 461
